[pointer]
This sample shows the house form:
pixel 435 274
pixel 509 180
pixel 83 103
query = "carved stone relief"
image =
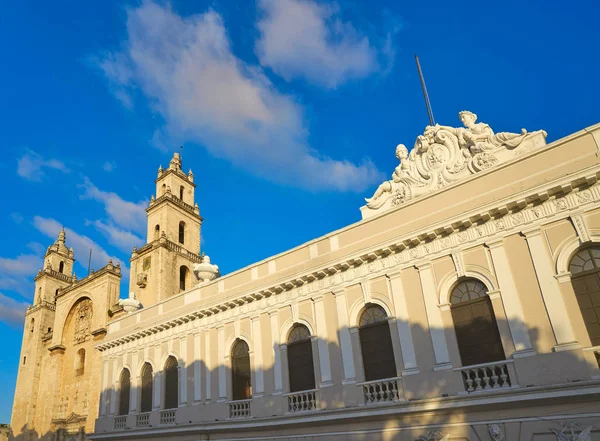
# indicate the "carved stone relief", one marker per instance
pixel 443 155
pixel 83 319
pixel 572 432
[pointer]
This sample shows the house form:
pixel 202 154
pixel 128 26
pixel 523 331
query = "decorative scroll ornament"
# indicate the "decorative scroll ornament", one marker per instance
pixel 435 436
pixel 443 155
pixel 83 318
pixel 572 432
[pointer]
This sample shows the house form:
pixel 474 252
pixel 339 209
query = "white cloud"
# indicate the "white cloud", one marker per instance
pixel 81 244
pixel 185 67
pixel 31 166
pixel 122 239
pixel 37 248
pixel 109 166
pixel 305 39
pixel 24 264
pixel 12 312
pixel 129 215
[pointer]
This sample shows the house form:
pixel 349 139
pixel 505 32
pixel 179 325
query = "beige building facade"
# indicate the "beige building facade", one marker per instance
pixel 464 305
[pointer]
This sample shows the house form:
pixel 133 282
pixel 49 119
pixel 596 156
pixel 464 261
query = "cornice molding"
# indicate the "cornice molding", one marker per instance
pixel 485 225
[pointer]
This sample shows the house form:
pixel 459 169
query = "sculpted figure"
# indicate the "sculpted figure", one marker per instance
pixel 443 155
pixel 479 136
pixel 402 170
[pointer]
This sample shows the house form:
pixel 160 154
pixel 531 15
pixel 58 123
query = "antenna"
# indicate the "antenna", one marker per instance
pixel 90 262
pixel 425 94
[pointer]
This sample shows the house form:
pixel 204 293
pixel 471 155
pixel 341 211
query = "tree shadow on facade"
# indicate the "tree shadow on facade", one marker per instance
pixel 444 397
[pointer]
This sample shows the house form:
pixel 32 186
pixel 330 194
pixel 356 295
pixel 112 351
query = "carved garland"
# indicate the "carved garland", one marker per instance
pixel 472 229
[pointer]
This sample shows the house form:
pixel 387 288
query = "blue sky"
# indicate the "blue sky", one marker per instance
pixel 289 112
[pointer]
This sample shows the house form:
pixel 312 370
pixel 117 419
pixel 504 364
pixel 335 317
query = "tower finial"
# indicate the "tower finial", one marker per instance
pixel 62 235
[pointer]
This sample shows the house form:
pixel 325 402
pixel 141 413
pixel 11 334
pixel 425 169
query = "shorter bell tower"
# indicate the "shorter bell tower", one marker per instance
pixel 163 267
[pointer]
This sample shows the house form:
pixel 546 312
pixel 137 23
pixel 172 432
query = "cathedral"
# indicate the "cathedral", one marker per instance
pixel 464 305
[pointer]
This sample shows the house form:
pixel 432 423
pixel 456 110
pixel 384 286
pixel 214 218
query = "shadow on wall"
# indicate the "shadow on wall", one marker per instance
pixel 348 385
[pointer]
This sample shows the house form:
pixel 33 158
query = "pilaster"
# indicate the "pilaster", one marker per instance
pixel 434 317
pixel 510 299
pixel 274 319
pixel 345 340
pixel 555 305
pixel 324 362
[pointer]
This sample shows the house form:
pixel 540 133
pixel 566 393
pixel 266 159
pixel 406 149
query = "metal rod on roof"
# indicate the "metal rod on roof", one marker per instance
pixel 425 94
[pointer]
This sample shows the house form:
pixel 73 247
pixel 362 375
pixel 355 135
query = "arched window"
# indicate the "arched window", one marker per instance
pixel 183 273
pixel 61 266
pixel 124 392
pixel 585 277
pixel 300 359
pixel 146 402
pixel 475 323
pixel 181 192
pixel 376 344
pixel 80 362
pixel 39 299
pixel 32 324
pixel 163 189
pixel 156 232
pixel 181 232
pixel 240 367
pixel 171 383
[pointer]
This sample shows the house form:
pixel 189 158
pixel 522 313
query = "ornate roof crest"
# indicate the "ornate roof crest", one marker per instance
pixel 443 155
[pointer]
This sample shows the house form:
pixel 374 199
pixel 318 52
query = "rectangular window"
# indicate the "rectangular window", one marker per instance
pixel 24 360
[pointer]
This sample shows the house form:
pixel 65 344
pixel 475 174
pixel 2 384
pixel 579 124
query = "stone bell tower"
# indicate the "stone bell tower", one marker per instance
pixel 55 275
pixel 163 267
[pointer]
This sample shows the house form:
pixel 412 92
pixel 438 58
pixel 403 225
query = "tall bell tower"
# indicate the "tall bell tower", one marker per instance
pixel 163 267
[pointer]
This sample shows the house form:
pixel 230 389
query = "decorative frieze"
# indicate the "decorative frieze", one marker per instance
pixel 472 228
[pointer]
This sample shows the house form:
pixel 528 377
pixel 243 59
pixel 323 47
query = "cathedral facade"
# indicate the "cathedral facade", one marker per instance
pixel 464 305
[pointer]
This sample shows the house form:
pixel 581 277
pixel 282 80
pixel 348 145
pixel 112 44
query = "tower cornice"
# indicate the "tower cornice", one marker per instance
pixel 170 197
pixel 179 173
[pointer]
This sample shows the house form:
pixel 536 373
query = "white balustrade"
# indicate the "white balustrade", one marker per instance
pixel 486 376
pixel 167 417
pixel 302 401
pixel 381 391
pixel 142 419
pixel 120 422
pixel 239 409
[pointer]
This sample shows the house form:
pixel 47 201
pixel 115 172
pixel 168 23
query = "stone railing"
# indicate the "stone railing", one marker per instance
pixel 180 250
pixel 486 376
pixel 58 275
pixel 167 417
pixel 239 409
pixel 302 401
pixel 120 422
pixel 381 391
pixel 142 419
pixel 171 197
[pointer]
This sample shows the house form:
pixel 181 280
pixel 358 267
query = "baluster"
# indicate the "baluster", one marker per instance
pixel 477 379
pixel 495 376
pixel 468 380
pixel 504 376
pixel 486 378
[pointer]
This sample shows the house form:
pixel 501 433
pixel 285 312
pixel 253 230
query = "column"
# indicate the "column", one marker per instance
pixel 274 317
pixel 222 361
pixel 407 347
pixel 345 341
pixel 434 318
pixel 113 400
pixel 323 344
pixel 104 393
pixel 259 387
pixel 555 305
pixel 510 300
pixel 156 378
pixel 135 384
pixel 207 359
pixel 197 363
pixel 183 371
